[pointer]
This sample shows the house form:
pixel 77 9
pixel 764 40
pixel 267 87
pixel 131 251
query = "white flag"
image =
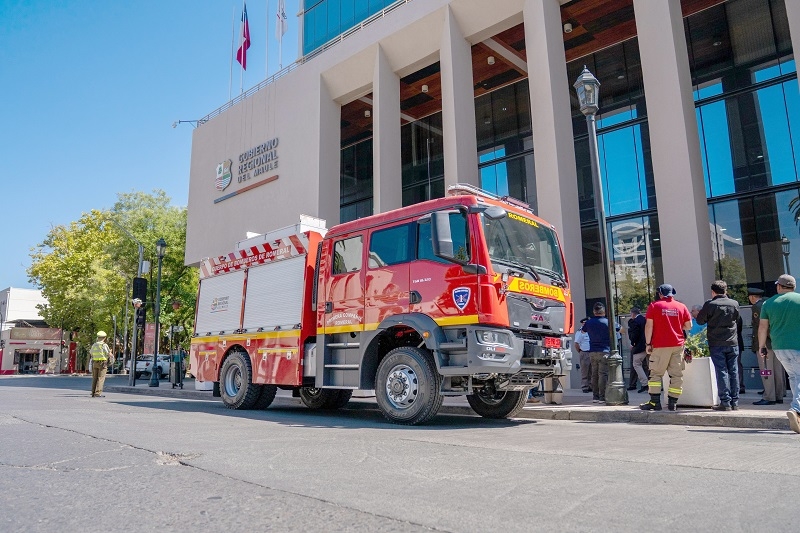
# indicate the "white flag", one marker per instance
pixel 281 24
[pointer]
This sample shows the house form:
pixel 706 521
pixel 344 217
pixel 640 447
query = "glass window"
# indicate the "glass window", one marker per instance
pixel 392 246
pixel 347 255
pixel 356 181
pixel 422 158
pixel 458 232
pixel 636 260
pixel 334 18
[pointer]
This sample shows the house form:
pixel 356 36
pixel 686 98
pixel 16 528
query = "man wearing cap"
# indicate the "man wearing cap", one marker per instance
pixel 582 345
pixel 664 334
pixel 101 358
pixel 599 348
pixel 721 314
pixel 780 316
pixel 772 373
pixel 636 326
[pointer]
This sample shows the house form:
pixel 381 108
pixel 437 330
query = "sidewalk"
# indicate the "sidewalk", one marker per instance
pixel 576 406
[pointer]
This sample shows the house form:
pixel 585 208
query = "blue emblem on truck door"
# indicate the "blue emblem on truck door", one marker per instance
pixel 461 297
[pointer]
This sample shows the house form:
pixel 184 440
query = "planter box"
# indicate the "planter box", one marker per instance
pixel 699 384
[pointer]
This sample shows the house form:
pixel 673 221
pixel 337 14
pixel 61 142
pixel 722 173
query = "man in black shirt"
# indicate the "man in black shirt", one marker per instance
pixel 722 315
pixel 638 354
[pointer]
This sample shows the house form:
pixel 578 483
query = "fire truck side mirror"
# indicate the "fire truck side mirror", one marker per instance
pixel 441 239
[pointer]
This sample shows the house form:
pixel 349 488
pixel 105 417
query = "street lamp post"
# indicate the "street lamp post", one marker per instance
pixel 137 304
pixel 785 243
pixel 176 304
pixel 161 250
pixel 588 89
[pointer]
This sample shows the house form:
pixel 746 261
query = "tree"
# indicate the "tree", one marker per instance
pixel 732 271
pixel 83 268
pixel 632 292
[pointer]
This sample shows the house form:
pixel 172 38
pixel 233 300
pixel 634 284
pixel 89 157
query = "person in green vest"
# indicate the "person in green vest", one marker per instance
pixel 101 359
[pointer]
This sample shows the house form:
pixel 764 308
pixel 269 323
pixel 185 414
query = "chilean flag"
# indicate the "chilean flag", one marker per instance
pixel 241 54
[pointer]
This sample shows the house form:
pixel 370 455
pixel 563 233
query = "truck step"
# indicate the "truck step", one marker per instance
pixel 345 345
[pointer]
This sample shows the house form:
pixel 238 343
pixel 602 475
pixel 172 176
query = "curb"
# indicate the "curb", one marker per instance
pixel 632 416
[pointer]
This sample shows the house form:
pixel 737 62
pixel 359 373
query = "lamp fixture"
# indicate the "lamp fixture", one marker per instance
pixel 194 123
pixel 567 27
pixel 490 60
pixel 424 88
pixel 367 113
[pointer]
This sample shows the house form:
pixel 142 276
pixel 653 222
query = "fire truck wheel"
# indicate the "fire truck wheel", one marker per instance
pixel 265 397
pixel 498 405
pixel 407 386
pixel 314 398
pixel 235 380
pixel 339 400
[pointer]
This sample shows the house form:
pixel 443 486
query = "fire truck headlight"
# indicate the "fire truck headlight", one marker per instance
pixel 493 337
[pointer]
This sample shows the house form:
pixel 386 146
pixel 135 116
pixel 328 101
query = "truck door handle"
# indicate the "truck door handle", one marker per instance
pixel 329 307
pixel 414 297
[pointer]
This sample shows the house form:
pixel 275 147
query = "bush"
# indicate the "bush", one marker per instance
pixel 698 344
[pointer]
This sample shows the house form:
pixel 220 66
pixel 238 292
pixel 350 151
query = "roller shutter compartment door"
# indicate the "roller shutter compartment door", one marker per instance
pixel 220 304
pixel 275 295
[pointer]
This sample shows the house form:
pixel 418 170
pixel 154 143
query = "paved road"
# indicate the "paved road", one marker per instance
pixel 133 463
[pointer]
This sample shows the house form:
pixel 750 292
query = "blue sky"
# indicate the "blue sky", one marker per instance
pixel 88 94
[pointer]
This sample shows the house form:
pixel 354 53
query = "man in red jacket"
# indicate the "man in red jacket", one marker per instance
pixel 664 334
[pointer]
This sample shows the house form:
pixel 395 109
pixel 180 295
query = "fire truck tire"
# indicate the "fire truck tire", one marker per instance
pixel 265 397
pixel 498 405
pixel 407 386
pixel 339 400
pixel 235 382
pixel 315 398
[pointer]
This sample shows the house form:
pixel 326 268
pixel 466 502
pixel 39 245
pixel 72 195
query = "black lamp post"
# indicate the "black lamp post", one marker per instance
pixel 588 89
pixel 785 243
pixel 161 250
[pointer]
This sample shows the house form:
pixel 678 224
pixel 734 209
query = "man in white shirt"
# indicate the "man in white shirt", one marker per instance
pixel 582 345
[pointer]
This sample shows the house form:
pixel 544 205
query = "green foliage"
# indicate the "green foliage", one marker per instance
pixel 632 292
pixel 698 344
pixel 732 271
pixel 85 268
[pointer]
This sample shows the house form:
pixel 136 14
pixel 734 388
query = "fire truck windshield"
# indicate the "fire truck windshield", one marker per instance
pixel 522 240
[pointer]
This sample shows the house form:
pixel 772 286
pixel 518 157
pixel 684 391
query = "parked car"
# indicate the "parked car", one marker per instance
pixel 145 362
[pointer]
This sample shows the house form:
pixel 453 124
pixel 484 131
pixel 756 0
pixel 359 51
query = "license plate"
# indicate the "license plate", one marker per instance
pixel 552 342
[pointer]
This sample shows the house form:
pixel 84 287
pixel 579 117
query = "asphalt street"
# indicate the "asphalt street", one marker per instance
pixel 125 462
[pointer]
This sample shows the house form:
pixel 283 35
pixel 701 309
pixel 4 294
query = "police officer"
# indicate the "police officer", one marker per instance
pixel 101 358
pixel 772 373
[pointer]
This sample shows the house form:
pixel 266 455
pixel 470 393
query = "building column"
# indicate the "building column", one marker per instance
pixel 553 139
pixel 330 157
pixel 458 106
pixel 681 197
pixel 793 14
pixel 387 187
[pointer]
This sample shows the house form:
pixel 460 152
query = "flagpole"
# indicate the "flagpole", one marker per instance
pixel 241 45
pixel 233 51
pixel 266 45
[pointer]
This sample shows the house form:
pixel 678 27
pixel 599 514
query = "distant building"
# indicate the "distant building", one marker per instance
pixel 29 345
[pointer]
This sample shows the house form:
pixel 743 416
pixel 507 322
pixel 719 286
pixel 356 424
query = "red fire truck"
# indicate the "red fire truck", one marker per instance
pixel 462 295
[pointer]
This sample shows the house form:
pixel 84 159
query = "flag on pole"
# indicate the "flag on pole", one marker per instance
pixel 281 24
pixel 241 54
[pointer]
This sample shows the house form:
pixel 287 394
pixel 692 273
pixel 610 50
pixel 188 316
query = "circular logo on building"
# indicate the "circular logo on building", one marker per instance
pixel 223 175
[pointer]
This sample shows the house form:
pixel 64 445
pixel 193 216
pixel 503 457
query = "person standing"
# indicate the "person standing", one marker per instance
pixel 599 349
pixel 665 333
pixel 772 374
pixel 101 358
pixel 721 314
pixel 780 316
pixel 636 326
pixel 582 345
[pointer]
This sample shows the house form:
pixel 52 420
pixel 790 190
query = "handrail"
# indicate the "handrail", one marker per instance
pixel 306 58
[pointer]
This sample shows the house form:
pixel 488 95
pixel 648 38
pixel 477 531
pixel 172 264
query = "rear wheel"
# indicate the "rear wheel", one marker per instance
pixel 407 386
pixel 339 400
pixel 315 398
pixel 235 380
pixel 265 397
pixel 497 404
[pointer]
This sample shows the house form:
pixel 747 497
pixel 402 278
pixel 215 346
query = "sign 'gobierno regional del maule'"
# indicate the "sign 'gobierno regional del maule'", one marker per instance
pixel 254 163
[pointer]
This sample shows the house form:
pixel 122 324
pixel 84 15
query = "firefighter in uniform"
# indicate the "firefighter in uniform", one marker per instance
pixel 101 358
pixel 664 334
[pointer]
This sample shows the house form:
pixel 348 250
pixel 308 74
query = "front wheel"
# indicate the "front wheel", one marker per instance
pixel 407 386
pixel 500 404
pixel 236 384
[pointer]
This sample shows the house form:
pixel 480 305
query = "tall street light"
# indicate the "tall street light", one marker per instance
pixel 588 90
pixel 161 250
pixel 785 243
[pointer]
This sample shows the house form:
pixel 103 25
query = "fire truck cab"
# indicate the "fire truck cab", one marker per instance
pixel 462 295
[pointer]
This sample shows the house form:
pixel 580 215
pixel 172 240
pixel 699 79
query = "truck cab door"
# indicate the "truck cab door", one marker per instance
pixel 338 360
pixel 387 278
pixel 448 291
